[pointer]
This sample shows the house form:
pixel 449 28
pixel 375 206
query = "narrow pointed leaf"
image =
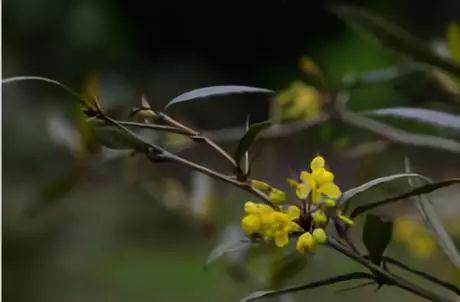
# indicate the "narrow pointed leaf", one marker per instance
pixel 43 79
pixel 436 118
pixel 376 237
pixel 248 138
pixel 392 36
pixel 214 91
pixel 272 293
pixel 434 224
pixel 348 195
pixel 425 189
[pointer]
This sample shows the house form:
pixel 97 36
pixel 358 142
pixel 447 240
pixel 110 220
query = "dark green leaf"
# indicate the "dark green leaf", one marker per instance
pixel 271 293
pixel 392 36
pixel 348 195
pixel 432 117
pixel 216 91
pixel 376 237
pixel 287 267
pixel 434 223
pixel 248 138
pixel 416 191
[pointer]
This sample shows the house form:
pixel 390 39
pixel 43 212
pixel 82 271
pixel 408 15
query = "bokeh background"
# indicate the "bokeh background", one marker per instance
pixel 107 226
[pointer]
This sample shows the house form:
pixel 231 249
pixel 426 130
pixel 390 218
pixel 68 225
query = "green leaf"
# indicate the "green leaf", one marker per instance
pixel 348 195
pixel 248 138
pixel 392 36
pixel 287 267
pixel 213 91
pixel 272 293
pixel 436 118
pixel 425 189
pixel 376 237
pixel 434 224
pixel 115 138
pixel 42 79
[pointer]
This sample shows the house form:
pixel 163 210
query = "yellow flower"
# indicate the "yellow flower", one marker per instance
pixel 319 182
pixel 319 235
pixel 276 196
pixel 271 223
pixel 260 185
pixel 306 243
pixel 319 217
pixel 251 224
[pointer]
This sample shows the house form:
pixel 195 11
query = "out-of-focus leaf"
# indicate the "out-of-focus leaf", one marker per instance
pixel 114 138
pixel 432 117
pixel 232 240
pixel 453 41
pixel 272 293
pixel 43 79
pixel 376 237
pixel 434 223
pixel 398 135
pixel 248 138
pixel 349 194
pixel 287 267
pixel 213 91
pixel 425 189
pixel 58 189
pixel 392 36
pixel 63 133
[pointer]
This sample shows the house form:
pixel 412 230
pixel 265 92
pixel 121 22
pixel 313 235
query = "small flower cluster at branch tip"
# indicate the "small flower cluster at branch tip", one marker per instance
pixel 317 194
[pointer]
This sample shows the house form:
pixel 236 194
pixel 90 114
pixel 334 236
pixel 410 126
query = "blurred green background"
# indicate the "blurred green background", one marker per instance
pixel 105 227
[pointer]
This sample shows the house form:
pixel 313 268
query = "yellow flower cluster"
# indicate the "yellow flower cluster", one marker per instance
pixel 317 193
pixel 269 222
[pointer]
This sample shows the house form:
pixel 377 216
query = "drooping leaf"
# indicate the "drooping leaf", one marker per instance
pixel 398 135
pixel 425 189
pixel 376 237
pixel 272 293
pixel 115 138
pixel 287 267
pixel 231 240
pixel 392 36
pixel 43 79
pixel 349 194
pixel 214 91
pixel 248 138
pixel 432 117
pixel 434 223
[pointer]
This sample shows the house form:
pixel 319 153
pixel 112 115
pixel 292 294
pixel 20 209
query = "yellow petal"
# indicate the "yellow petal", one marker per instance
pixel 250 207
pixel 276 196
pixel 319 217
pixel 302 191
pixel 293 212
pixel 330 189
pixel 260 185
pixel 250 224
pixel 322 176
pixel 305 243
pixel 316 197
pixel 317 162
pixel 281 239
pixel 329 203
pixel 319 235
